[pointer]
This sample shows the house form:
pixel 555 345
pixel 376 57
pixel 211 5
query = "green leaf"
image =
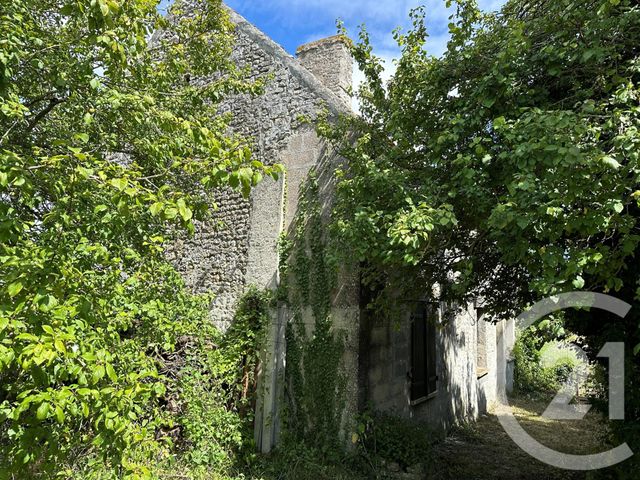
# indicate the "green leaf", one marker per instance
pixel 171 213
pixel 120 183
pixel 111 373
pixel 611 162
pixel 618 207
pixel 104 8
pixel 246 190
pixel 159 389
pixel 578 282
pixel 15 288
pixel 47 303
pixel 156 208
pixel 83 137
pixel 234 180
pixel 185 212
pixel 488 102
pixel 98 374
pixel 60 347
pixel 43 411
pixel 60 415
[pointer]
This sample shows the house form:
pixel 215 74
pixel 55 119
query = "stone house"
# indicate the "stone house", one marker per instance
pixel 412 367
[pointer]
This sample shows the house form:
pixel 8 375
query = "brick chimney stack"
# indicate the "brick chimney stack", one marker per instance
pixel 331 62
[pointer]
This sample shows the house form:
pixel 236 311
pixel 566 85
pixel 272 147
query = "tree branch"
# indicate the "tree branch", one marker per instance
pixel 52 104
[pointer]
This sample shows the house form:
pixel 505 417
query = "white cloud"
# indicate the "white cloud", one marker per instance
pixel 438 18
pixel 317 18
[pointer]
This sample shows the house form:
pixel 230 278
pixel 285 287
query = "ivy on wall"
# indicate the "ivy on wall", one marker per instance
pixel 314 377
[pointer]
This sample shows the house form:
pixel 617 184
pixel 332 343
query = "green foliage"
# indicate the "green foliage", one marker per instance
pixel 204 424
pixel 108 148
pixel 507 168
pixel 387 438
pixel 218 389
pixel 315 379
pixel 304 462
pixel 530 375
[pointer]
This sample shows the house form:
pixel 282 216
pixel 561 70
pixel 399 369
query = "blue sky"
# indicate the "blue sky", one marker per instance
pixel 292 23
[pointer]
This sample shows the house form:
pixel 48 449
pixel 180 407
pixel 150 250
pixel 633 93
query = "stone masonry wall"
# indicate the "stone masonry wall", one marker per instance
pixel 331 62
pixel 223 255
pixel 388 384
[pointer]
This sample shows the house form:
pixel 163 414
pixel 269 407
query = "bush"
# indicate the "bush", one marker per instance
pixel 530 375
pixel 397 440
pixel 98 174
pixel 219 385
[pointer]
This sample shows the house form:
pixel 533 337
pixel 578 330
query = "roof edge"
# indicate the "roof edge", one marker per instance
pixel 322 42
pixel 305 77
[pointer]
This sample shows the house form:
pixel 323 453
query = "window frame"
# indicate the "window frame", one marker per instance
pixel 424 338
pixel 482 359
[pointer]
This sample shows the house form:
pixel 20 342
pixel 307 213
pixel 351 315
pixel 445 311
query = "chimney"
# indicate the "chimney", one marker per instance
pixel 331 62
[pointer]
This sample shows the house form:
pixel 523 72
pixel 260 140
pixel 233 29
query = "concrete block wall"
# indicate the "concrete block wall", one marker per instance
pixel 461 395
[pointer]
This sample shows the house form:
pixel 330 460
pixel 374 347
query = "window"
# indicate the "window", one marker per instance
pixel 481 347
pixel 424 379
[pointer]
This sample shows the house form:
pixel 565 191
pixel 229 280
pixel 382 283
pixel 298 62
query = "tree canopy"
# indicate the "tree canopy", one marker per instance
pixel 110 144
pixel 507 168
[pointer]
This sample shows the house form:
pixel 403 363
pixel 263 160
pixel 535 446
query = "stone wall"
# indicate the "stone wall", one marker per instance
pixel 331 62
pixel 487 381
pixel 461 394
pixel 238 246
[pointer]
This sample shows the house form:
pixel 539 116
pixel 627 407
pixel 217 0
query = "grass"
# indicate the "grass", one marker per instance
pixel 477 451
pixel 483 450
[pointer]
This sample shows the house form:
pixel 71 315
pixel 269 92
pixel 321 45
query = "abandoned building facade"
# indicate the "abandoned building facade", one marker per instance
pixel 408 368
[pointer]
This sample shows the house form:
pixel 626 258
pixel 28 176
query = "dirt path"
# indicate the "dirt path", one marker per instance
pixel 483 451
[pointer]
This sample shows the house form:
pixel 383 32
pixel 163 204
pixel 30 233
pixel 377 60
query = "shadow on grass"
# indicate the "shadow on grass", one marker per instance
pixel 475 451
pixel 483 450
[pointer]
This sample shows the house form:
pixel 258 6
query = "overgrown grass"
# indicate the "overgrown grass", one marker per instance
pixel 483 450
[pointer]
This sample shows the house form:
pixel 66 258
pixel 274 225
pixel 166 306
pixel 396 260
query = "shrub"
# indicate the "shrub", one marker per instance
pixel 398 440
pixel 530 375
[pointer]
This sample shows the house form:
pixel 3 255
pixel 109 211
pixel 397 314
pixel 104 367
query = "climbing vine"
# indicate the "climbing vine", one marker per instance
pixel 315 380
pixel 218 384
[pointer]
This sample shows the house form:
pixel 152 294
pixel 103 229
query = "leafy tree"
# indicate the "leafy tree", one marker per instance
pixel 512 161
pixel 510 167
pixel 110 144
